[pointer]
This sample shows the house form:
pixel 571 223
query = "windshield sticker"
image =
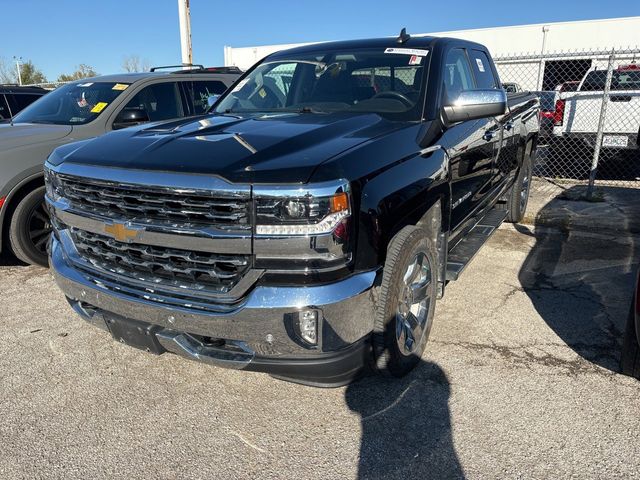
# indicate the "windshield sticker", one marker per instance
pixel 415 60
pixel 408 51
pixel 262 93
pixel 98 107
pixel 85 84
pixel 120 86
pixel 241 84
pixel 480 64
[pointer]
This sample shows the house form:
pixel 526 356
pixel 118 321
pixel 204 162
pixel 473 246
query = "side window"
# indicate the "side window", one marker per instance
pixel 457 73
pixel 4 108
pixel 482 69
pixel 201 92
pixel 20 101
pixel 161 101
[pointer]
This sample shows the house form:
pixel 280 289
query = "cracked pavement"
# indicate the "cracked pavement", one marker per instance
pixel 519 381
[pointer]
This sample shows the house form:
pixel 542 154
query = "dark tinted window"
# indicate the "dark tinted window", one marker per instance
pixel 620 80
pixel 201 92
pixel 161 101
pixel 4 108
pixel 457 73
pixel 19 101
pixel 482 69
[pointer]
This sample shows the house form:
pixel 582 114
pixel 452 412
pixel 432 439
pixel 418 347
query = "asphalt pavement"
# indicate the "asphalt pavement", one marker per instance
pixel 519 381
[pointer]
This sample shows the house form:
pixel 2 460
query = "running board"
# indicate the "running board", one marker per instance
pixel 464 251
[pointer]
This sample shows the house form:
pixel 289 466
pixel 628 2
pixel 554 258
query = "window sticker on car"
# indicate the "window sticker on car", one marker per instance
pixel 98 107
pixel 85 84
pixel 408 51
pixel 480 64
pixel 120 86
pixel 415 60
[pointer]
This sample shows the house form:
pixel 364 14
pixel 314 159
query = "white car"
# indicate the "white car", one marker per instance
pixel 577 113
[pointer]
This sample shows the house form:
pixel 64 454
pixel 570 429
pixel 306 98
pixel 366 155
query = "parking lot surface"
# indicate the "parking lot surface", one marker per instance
pixel 519 381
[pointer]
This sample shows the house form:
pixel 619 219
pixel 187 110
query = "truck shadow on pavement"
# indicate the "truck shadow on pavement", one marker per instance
pixel 580 282
pixel 406 426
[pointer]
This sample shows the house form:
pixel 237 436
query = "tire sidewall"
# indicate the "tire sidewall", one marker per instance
pixel 19 237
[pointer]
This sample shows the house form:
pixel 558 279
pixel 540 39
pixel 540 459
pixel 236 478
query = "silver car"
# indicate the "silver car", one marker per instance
pixel 80 110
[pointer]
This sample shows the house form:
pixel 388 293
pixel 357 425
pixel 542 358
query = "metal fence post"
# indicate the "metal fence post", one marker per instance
pixel 603 114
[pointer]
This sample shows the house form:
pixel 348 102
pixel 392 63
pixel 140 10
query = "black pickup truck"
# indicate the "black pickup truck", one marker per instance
pixel 307 224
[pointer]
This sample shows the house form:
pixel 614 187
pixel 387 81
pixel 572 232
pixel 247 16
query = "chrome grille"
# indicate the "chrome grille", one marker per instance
pixel 157 205
pixel 160 266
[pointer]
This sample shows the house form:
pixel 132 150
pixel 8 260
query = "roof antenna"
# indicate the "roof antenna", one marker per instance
pixel 404 36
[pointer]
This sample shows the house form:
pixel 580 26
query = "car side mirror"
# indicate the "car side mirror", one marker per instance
pixel 130 116
pixel 475 104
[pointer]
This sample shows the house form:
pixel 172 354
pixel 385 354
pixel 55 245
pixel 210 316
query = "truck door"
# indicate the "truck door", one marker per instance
pixel 472 145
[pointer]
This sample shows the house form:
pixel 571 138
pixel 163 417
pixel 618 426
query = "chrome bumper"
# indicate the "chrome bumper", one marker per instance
pixel 258 327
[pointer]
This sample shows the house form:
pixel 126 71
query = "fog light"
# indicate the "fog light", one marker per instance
pixel 308 324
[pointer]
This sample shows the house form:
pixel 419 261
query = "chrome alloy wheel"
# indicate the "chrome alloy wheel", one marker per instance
pixel 413 305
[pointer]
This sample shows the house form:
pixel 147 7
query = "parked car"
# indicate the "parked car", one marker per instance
pixel 547 112
pixel 577 113
pixel 85 109
pixel 630 360
pixel 14 98
pixel 512 87
pixel 310 222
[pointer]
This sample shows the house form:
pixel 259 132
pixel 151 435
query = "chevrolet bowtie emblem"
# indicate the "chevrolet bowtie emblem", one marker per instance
pixel 122 233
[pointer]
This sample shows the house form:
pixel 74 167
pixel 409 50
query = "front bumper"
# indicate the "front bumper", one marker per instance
pixel 258 335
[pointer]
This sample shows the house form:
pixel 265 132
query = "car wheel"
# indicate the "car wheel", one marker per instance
pixel 630 358
pixel 406 302
pixel 30 228
pixel 519 194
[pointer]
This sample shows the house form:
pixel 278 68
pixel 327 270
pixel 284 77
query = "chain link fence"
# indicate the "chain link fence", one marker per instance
pixel 589 115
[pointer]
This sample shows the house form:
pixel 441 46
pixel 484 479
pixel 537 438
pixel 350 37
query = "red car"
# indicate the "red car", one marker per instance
pixel 630 361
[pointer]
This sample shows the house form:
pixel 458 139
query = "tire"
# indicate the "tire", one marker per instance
pixel 397 342
pixel 518 197
pixel 29 229
pixel 630 358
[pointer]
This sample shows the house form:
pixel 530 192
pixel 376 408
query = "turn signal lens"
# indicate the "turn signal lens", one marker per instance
pixel 339 202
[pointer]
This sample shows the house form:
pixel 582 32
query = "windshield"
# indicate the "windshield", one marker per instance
pixel 387 81
pixel 72 104
pixel 620 80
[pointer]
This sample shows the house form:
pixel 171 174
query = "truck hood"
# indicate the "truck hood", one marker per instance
pixel 268 148
pixel 21 134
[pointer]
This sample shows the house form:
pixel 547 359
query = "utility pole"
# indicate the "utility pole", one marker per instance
pixel 185 32
pixel 18 62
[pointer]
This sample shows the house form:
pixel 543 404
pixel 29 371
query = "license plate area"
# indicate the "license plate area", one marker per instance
pixel 615 141
pixel 134 333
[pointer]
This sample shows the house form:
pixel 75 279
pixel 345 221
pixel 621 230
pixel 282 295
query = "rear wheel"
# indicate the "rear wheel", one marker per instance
pixel 518 197
pixel 630 359
pixel 406 303
pixel 30 228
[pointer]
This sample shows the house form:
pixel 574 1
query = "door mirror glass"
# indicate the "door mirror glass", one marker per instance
pixel 475 104
pixel 130 116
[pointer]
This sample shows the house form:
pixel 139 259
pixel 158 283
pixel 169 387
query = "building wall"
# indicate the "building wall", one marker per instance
pixel 522 39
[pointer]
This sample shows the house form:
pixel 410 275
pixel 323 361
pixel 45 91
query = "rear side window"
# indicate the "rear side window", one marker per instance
pixel 4 108
pixel 482 70
pixel 201 92
pixel 161 101
pixel 457 73
pixel 620 80
pixel 20 101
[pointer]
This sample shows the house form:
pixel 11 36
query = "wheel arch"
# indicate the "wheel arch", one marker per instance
pixel 17 193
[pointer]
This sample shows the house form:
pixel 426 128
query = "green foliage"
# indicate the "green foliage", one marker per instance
pixel 82 71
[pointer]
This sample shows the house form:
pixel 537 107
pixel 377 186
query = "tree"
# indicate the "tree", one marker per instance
pixel 82 71
pixel 7 72
pixel 133 63
pixel 29 73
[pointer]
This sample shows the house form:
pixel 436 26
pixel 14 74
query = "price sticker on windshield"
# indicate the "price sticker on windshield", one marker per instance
pixel 98 107
pixel 120 86
pixel 408 51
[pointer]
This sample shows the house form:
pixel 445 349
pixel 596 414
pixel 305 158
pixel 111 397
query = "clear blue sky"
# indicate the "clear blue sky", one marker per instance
pixel 57 35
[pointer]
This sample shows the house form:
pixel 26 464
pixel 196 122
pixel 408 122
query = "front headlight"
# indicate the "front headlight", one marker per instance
pixel 312 210
pixel 52 185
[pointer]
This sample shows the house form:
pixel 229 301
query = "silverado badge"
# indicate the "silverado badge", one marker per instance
pixel 122 233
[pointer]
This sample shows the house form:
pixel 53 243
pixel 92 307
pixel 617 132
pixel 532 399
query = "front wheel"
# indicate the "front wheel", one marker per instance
pixel 406 302
pixel 30 229
pixel 519 194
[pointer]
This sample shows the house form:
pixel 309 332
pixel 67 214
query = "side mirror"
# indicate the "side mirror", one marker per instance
pixel 212 99
pixel 475 104
pixel 130 116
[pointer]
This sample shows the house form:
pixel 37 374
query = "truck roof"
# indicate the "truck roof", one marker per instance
pixel 134 77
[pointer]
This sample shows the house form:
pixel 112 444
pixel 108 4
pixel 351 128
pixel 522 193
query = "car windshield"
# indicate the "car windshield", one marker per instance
pixel 386 81
pixel 72 104
pixel 620 80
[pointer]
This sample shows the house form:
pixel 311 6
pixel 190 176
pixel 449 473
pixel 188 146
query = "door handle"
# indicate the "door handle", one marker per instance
pixel 488 135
